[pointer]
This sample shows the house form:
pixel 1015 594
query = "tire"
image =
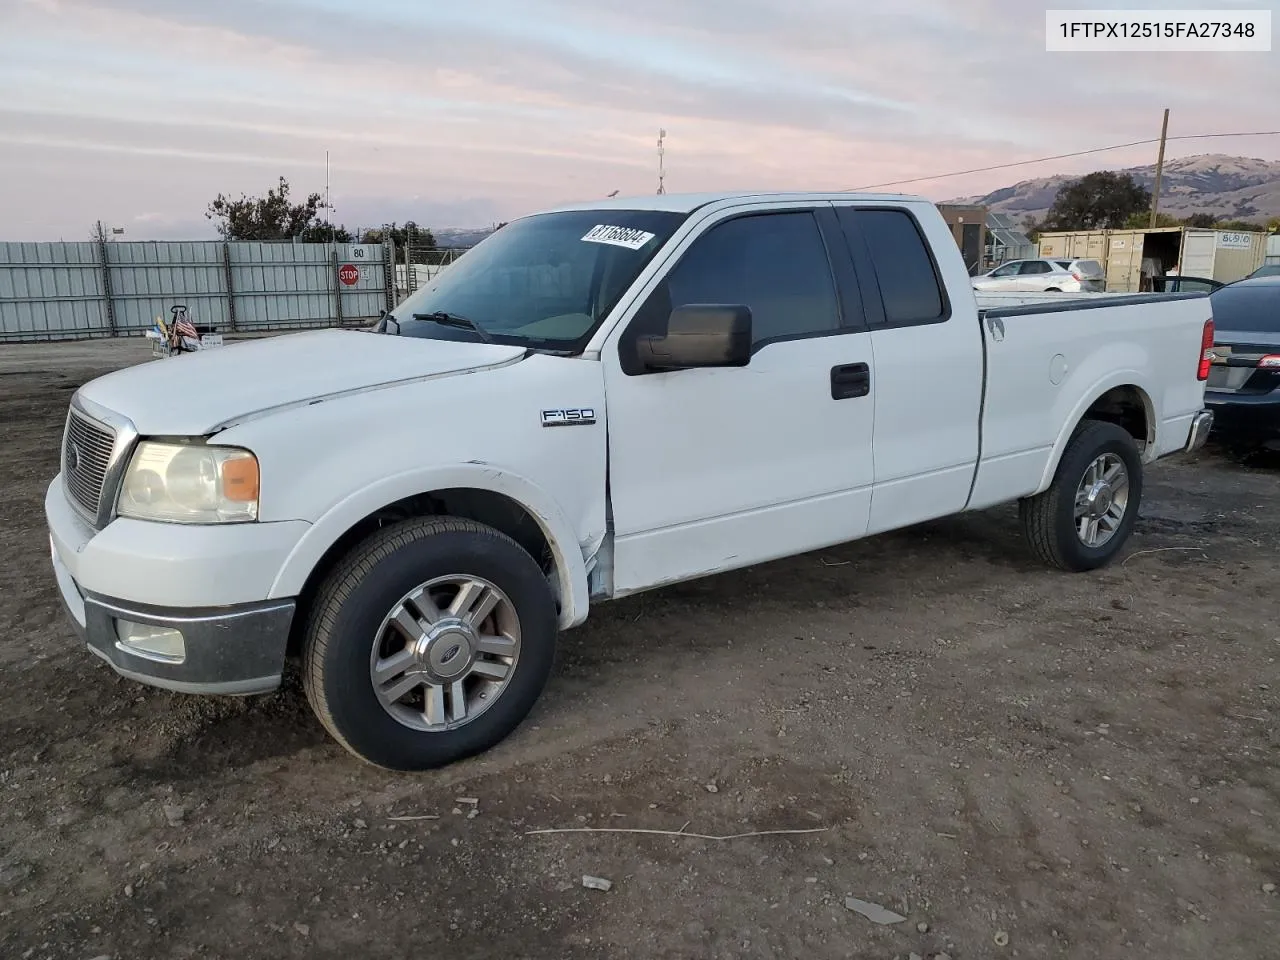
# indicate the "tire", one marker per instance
pixel 1049 520
pixel 1053 290
pixel 349 635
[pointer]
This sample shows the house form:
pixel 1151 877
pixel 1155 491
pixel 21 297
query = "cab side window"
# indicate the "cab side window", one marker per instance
pixel 775 264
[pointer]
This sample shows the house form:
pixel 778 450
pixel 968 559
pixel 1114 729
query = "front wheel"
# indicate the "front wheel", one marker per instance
pixel 1083 520
pixel 430 642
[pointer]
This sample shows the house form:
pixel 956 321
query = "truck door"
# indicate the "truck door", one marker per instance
pixel 712 469
pixel 928 372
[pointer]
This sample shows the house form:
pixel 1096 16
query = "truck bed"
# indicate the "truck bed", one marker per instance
pixel 1046 362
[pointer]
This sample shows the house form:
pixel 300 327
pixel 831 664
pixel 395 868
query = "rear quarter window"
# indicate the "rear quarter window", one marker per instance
pixel 909 285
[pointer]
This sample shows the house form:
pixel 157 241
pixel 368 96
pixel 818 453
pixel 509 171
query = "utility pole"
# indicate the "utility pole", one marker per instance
pixel 1155 194
pixel 662 172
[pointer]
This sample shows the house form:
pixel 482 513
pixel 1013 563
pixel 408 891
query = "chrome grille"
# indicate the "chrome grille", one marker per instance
pixel 86 456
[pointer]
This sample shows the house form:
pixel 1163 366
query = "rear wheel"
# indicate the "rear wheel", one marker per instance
pixel 1083 520
pixel 430 642
pixel 1053 290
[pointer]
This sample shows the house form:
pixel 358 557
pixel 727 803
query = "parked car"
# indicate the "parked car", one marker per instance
pixel 1266 270
pixel 593 402
pixel 1244 380
pixel 1044 276
pixel 1177 284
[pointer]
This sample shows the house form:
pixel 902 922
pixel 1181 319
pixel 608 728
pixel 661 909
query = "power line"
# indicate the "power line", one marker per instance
pixel 1062 156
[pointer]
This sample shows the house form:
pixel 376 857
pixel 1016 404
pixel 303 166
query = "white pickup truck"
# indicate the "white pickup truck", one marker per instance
pixel 594 401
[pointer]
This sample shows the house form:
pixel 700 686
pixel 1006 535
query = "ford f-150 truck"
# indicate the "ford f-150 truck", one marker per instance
pixel 594 401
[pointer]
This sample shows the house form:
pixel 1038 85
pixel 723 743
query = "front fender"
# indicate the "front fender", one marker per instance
pixel 571 570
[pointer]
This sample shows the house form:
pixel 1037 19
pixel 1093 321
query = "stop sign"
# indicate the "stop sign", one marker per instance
pixel 349 274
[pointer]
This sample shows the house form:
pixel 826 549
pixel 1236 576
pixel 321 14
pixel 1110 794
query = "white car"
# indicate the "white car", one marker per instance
pixel 595 401
pixel 1044 276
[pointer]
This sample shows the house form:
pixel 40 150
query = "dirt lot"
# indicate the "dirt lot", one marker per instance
pixel 1082 764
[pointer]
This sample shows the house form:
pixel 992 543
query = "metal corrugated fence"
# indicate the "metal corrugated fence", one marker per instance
pixel 63 291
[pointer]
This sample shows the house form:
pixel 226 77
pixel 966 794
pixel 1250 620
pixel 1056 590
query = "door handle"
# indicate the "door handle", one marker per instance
pixel 850 380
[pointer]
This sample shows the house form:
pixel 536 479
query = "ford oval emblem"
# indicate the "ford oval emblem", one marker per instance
pixel 73 456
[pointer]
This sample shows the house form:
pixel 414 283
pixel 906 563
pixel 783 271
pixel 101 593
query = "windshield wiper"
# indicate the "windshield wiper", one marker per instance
pixel 454 320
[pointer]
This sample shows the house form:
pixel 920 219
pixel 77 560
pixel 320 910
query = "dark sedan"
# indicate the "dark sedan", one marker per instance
pixel 1244 376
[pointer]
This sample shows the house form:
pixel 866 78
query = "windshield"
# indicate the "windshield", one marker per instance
pixel 544 281
pixel 1247 308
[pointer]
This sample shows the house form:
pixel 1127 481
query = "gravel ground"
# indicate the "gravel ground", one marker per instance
pixel 1017 762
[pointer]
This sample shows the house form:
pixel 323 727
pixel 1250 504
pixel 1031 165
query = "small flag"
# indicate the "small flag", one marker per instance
pixel 185 328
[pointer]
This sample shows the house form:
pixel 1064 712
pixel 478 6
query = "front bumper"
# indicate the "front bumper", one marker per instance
pixel 211 584
pixel 226 650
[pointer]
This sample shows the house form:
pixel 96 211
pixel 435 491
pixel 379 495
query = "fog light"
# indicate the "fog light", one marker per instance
pixel 164 644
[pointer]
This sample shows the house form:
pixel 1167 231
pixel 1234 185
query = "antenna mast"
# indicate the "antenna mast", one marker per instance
pixel 662 172
pixel 328 209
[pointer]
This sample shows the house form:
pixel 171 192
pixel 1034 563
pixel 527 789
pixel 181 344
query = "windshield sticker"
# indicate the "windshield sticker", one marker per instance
pixel 627 237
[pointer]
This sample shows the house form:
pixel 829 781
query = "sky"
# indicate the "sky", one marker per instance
pixel 140 112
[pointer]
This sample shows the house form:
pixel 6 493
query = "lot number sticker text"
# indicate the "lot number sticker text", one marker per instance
pixel 627 237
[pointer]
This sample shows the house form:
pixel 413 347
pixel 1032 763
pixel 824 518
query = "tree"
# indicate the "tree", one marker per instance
pixel 1142 220
pixel 1097 201
pixel 322 231
pixel 1201 220
pixel 1273 225
pixel 271 217
pixel 420 241
pixel 1237 225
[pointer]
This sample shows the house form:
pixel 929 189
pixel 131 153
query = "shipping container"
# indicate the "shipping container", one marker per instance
pixel 1075 245
pixel 1273 249
pixel 1222 255
pixel 1126 249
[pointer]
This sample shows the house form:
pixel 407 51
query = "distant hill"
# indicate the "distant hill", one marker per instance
pixel 460 236
pixel 1229 188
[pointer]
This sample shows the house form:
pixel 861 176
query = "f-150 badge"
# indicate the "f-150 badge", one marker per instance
pixel 575 417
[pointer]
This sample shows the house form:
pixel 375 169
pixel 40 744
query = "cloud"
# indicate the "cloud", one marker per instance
pixel 491 108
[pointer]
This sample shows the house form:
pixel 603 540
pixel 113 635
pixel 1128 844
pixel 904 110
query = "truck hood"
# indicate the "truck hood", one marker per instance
pixel 200 393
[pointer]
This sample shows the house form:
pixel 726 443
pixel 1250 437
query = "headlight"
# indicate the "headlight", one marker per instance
pixel 190 483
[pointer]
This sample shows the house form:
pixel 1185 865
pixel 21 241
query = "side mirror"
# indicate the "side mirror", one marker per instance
pixel 700 335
